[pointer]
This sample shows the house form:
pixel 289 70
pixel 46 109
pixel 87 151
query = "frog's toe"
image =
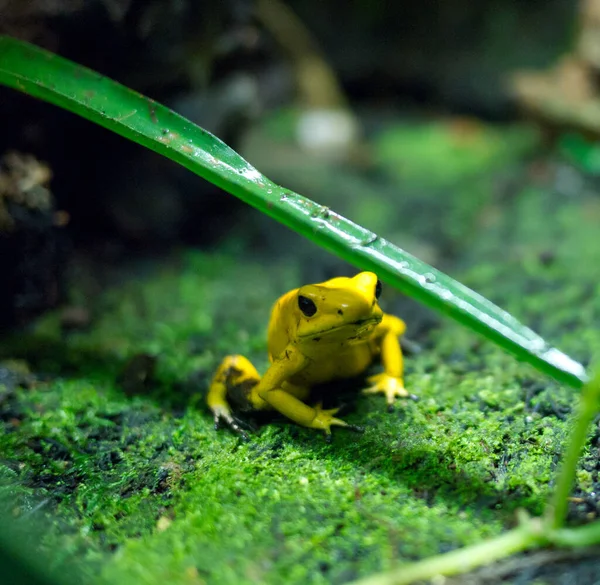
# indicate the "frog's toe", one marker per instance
pixel 356 428
pixel 325 419
pixel 223 414
pixel 341 423
pixel 325 411
pixel 234 425
pixel 389 386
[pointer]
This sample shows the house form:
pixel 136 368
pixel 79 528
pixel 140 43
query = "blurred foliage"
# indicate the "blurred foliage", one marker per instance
pixel 445 152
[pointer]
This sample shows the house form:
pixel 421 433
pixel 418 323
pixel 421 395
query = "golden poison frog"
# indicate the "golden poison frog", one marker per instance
pixel 317 333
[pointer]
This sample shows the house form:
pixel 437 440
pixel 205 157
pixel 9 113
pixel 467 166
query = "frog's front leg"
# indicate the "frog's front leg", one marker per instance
pixel 272 390
pixel 390 383
pixel 302 414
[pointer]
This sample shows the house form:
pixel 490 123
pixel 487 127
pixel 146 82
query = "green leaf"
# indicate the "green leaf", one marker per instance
pixel 126 112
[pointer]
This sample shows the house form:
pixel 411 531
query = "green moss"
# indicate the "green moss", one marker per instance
pixel 137 486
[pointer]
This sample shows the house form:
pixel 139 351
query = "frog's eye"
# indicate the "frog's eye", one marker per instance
pixel 378 289
pixel 306 306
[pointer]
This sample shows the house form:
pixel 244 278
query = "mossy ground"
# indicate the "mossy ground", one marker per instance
pixel 130 482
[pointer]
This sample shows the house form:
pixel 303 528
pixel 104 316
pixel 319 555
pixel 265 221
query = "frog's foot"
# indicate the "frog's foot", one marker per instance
pixel 222 413
pixel 389 386
pixel 235 376
pixel 324 420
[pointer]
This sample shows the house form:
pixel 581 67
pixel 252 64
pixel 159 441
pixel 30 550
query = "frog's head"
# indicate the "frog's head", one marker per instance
pixel 339 310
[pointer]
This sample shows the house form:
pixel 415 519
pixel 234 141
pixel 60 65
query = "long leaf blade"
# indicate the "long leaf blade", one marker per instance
pixel 49 77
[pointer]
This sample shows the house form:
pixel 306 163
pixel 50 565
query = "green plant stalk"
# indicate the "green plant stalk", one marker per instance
pixel 587 409
pixel 525 536
pixel 126 112
pixel 587 535
pixel 530 534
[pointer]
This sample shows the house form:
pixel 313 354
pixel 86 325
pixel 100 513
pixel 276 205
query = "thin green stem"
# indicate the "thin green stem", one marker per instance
pixel 586 411
pixel 526 536
pixel 587 535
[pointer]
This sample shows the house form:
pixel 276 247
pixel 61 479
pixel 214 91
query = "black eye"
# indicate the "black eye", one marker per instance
pixel 307 306
pixel 378 289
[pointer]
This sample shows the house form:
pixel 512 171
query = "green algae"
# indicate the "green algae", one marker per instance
pixel 138 487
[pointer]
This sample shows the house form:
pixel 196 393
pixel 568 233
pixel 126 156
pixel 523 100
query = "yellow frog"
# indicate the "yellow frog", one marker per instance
pixel 317 333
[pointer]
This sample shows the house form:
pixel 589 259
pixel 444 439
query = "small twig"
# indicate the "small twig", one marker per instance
pixel 317 83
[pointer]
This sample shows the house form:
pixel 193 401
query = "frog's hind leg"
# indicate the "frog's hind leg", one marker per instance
pixel 234 380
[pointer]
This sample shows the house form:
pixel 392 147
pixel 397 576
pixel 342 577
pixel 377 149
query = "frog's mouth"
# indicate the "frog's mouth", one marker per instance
pixel 359 328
